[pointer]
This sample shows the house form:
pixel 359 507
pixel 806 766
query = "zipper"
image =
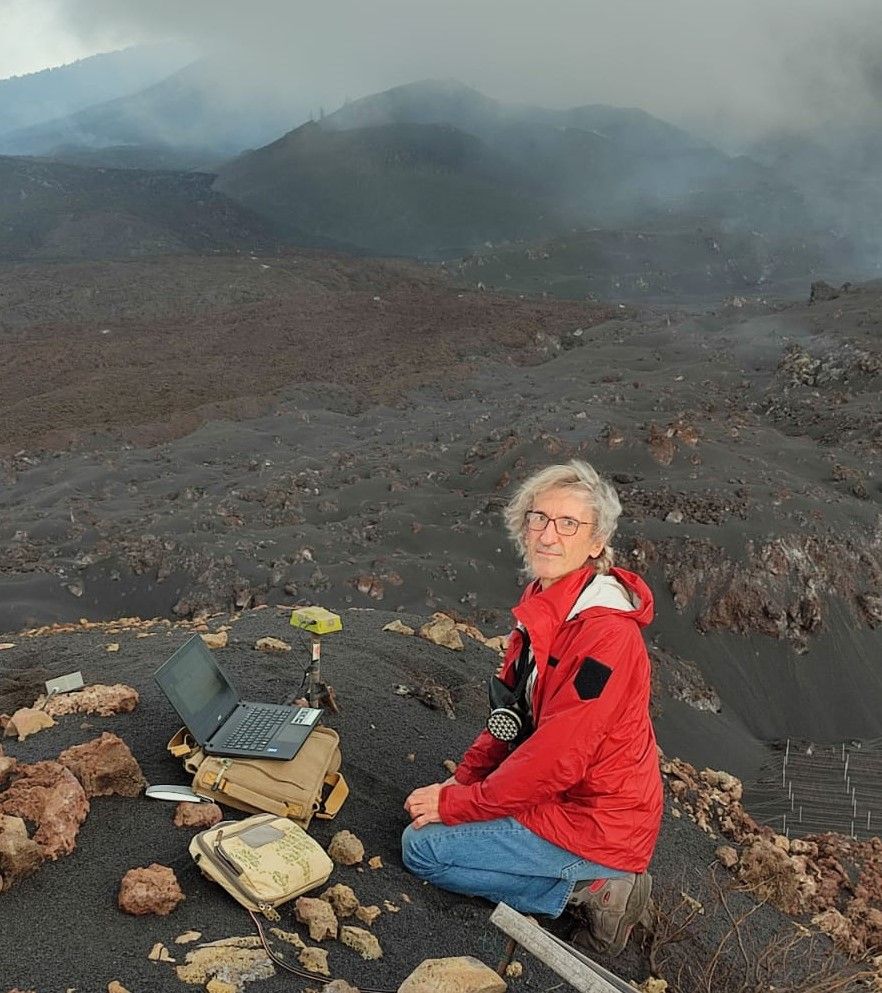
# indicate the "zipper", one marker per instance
pixel 231 872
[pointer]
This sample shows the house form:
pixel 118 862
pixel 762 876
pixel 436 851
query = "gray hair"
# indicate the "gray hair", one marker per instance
pixel 578 477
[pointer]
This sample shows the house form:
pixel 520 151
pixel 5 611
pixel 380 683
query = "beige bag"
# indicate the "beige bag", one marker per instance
pixel 308 785
pixel 262 861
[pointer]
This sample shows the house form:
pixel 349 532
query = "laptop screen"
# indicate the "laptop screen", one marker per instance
pixel 198 688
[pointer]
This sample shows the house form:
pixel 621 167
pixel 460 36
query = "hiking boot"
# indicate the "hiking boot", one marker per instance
pixel 609 909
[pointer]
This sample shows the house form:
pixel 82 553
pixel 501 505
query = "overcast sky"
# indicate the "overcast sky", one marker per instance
pixel 733 65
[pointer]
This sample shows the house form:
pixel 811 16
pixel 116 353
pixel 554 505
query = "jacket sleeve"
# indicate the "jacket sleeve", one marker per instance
pixel 602 666
pixel 483 756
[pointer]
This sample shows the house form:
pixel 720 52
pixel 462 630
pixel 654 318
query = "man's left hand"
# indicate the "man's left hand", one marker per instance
pixel 422 805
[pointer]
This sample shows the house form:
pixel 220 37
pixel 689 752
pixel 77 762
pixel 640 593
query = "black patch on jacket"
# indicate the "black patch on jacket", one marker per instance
pixel 552 661
pixel 591 678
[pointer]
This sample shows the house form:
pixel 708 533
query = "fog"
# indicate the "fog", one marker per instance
pixel 729 71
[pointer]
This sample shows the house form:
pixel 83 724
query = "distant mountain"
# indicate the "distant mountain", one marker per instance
pixel 438 169
pixel 53 93
pixel 54 211
pixel 409 189
pixel 212 107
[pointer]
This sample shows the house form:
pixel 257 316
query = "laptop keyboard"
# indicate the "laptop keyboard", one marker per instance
pixel 256 730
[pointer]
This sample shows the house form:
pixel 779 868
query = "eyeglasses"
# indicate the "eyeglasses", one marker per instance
pixel 566 527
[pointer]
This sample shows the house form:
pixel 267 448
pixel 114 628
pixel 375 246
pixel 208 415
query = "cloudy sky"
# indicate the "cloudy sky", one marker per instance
pixel 735 68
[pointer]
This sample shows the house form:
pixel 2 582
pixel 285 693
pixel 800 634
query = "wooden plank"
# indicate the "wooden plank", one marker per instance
pixel 569 963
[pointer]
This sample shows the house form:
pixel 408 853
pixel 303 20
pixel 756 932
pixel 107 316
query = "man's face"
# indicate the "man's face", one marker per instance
pixel 550 555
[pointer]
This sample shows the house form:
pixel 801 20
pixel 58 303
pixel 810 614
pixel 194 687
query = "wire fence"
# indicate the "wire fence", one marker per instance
pixel 817 788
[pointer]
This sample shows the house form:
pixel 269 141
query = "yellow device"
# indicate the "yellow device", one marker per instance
pixel 317 621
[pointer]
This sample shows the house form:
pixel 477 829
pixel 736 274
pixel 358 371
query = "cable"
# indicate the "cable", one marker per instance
pixel 303 973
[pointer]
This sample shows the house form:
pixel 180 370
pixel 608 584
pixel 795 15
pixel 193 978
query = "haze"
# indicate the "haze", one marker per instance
pixel 730 72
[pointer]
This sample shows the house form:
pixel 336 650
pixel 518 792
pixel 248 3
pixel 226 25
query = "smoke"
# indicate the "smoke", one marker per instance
pixel 731 71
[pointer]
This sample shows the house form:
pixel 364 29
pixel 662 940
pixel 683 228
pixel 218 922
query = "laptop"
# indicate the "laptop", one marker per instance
pixel 223 724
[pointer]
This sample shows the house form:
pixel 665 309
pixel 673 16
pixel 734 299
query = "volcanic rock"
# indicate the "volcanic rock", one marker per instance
pixel 342 899
pixel 367 915
pixel 27 721
pixel 105 766
pixel 460 974
pixel 361 941
pixel 441 630
pixel 153 889
pixel 19 856
pixel 98 699
pixel 197 815
pixel 217 639
pixel 315 960
pixel 318 916
pixel 51 797
pixel 345 848
pixel 237 964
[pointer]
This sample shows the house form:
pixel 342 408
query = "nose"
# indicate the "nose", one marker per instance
pixel 544 533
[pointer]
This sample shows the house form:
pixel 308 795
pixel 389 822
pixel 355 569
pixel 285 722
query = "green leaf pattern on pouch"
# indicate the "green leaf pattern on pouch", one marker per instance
pixel 274 870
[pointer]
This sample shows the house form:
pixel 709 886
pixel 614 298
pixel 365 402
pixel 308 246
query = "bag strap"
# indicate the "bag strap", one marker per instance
pixel 331 804
pixel 259 800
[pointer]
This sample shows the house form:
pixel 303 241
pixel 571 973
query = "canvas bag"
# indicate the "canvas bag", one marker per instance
pixel 262 861
pixel 308 785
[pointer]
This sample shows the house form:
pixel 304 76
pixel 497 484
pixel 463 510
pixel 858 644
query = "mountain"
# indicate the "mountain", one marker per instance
pixel 411 189
pixel 53 211
pixel 437 169
pixel 209 110
pixel 54 93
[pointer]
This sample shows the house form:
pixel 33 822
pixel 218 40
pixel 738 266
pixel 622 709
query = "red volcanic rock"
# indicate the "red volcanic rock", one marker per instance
pixel 98 699
pixel 150 890
pixel 105 767
pixel 19 856
pixel 51 797
pixel 197 815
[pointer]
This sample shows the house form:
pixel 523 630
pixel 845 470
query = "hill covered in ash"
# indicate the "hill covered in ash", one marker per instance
pixel 50 210
pixel 350 434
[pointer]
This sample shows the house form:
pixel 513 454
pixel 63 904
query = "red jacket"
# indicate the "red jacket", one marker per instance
pixel 587 778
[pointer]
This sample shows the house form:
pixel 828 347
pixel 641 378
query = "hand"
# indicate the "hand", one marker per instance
pixel 422 805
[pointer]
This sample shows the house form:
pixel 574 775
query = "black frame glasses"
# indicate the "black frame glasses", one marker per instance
pixel 535 520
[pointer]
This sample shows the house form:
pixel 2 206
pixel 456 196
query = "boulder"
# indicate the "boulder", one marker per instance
pixel 318 916
pixel 19 856
pixel 345 848
pixel 153 889
pixel 460 974
pixel 51 797
pixel 105 766
pixel 197 815
pixel 27 721
pixel 338 986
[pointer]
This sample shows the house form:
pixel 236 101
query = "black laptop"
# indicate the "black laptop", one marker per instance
pixel 208 704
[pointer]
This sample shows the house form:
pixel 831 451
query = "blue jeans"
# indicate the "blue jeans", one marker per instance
pixel 500 860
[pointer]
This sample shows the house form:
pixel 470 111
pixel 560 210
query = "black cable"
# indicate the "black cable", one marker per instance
pixel 302 973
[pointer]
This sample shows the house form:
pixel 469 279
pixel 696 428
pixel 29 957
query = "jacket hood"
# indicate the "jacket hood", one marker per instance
pixel 581 593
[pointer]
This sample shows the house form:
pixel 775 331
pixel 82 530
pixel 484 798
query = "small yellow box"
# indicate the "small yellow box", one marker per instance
pixel 316 620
